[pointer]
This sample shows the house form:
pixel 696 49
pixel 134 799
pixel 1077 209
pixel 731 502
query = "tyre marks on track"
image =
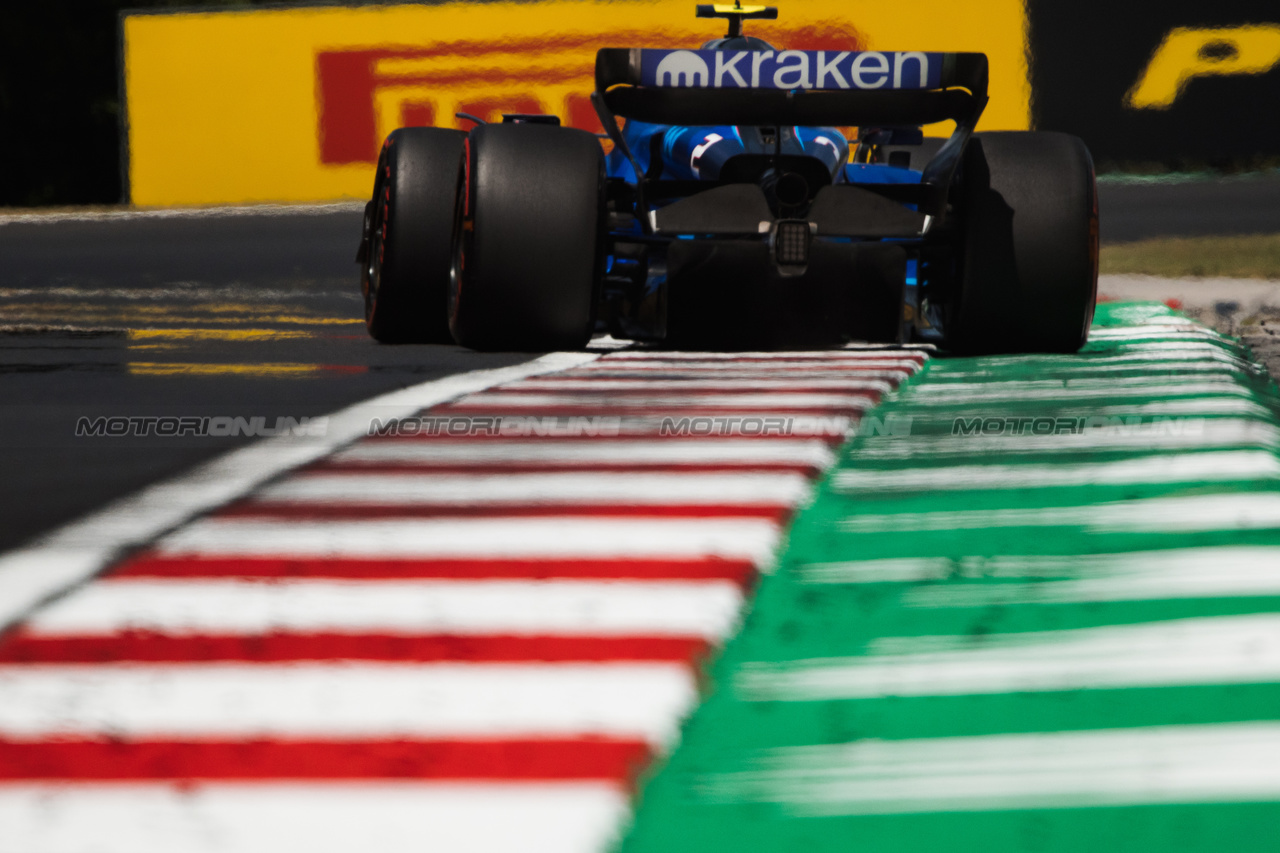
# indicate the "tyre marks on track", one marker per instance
pixel 469 642
pixel 182 329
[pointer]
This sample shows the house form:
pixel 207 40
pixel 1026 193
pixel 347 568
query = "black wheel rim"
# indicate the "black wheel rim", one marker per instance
pixel 373 263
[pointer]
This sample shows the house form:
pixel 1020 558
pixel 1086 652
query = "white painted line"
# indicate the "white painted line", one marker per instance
pixel 1218 650
pixel 1155 330
pixel 1159 332
pixel 1181 408
pixel 887 352
pixel 486 538
pixel 181 213
pixel 894 570
pixel 1220 763
pixel 1164 468
pixel 724 374
pixel 1222 568
pixel 706 451
pixel 415 490
pixel 1103 414
pixel 1222 512
pixel 77 551
pixel 1088 380
pixel 564 608
pixel 1191 434
pixel 640 383
pixel 1157 349
pixel 954 394
pixel 925 351
pixel 1138 339
pixel 770 368
pixel 497 400
pixel 1146 578
pixel 1222 572
pixel 341 701
pixel 1160 358
pixel 332 817
pixel 1197 367
pixel 1149 350
pixel 1095 368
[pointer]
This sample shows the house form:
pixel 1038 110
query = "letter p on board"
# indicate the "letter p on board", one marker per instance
pixel 1188 53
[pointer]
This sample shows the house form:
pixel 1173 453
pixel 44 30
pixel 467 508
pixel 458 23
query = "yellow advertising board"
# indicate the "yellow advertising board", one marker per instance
pixel 291 105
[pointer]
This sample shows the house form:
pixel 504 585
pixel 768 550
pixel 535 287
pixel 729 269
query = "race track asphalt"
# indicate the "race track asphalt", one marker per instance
pixel 1137 210
pixel 257 315
pixel 214 316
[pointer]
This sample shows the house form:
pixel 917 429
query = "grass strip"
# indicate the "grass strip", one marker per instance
pixel 1245 256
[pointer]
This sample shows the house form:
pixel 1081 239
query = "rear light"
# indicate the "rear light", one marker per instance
pixel 791 243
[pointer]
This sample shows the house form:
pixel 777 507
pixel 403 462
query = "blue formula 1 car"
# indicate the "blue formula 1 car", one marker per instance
pixel 731 212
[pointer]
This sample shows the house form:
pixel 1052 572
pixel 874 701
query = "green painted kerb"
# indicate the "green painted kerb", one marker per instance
pixel 1042 613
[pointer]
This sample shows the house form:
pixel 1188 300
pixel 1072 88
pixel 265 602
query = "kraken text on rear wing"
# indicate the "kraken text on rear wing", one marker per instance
pixel 805 87
pixel 790 69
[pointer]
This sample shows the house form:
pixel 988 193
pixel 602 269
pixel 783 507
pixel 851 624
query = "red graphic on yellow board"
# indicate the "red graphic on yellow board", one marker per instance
pixel 288 105
pixel 364 92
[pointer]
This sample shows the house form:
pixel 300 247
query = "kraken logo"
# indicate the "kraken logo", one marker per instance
pixel 683 68
pixel 1188 53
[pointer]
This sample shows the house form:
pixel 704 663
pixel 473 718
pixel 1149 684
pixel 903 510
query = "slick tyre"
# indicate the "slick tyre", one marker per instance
pixel 529 257
pixel 406 254
pixel 1028 277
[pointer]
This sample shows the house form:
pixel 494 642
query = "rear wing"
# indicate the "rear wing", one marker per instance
pixel 798 87
pixel 791 87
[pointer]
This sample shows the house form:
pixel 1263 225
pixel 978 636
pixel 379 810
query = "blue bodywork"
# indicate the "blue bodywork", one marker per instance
pixel 671 237
pixel 699 153
pixel 734 197
pixel 692 153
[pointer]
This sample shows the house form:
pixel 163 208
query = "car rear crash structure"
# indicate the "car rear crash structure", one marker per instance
pixel 731 212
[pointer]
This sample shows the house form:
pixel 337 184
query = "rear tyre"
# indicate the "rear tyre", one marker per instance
pixel 529 257
pixel 1028 275
pixel 406 254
